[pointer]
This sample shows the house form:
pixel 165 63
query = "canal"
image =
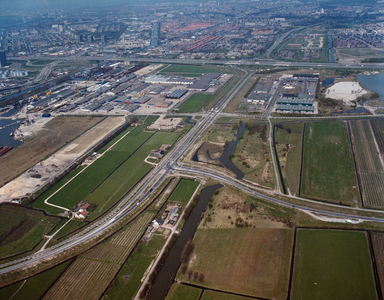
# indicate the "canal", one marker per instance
pixel 167 274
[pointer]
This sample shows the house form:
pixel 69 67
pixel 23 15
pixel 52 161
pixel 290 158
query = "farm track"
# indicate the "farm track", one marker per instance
pixel 89 276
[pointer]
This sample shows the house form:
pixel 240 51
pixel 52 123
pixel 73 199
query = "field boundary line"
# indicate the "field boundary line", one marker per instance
pixel 302 159
pixel 374 265
pixel 355 163
pixel 292 264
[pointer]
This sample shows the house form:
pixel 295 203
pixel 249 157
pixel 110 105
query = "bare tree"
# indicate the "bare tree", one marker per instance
pixel 189 274
pixel 183 268
pixel 200 278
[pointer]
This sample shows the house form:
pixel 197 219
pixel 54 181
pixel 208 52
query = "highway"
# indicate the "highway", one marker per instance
pixel 225 179
pixel 140 195
pixel 256 62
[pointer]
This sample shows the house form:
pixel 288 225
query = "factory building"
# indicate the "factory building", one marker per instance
pixel 294 108
pixel 205 81
pixel 177 94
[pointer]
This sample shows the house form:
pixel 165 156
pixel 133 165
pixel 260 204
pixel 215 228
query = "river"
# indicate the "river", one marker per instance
pixel 167 273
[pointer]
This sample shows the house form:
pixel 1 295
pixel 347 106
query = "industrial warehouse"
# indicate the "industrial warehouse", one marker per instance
pixel 122 89
pixel 298 94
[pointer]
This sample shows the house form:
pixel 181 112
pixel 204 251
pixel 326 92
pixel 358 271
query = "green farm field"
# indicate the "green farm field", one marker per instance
pixel 106 180
pixel 332 264
pixel 290 157
pixel 128 281
pixel 184 190
pixel 21 229
pixel 35 287
pixel 194 103
pixel 248 261
pixel 183 292
pixel 328 168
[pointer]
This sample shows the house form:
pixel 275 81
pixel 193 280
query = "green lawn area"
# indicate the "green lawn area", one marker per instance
pixel 35 287
pixel 213 295
pixel 128 280
pixel 112 175
pixel 328 167
pixel 290 160
pixel 248 261
pixel 194 103
pixel 183 292
pixel 331 264
pixel 184 191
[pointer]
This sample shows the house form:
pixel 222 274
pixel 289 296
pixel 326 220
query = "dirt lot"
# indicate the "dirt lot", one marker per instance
pixel 148 69
pixel 346 91
pixel 167 124
pixel 54 135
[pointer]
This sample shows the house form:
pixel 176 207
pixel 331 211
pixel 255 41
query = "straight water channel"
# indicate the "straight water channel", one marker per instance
pixel 167 274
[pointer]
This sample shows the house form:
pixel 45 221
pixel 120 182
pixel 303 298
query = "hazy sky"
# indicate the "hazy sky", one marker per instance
pixel 33 4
